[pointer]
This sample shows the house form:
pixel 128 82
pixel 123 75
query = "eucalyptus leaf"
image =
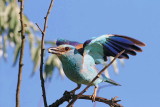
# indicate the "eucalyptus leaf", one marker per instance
pixel 51 63
pixel 4 47
pixel 49 66
pixel 36 58
pixel 16 54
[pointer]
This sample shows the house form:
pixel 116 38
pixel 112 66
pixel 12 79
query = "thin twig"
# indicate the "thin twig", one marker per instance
pixel 68 96
pixel 22 31
pixel 98 75
pixel 42 52
pixel 39 28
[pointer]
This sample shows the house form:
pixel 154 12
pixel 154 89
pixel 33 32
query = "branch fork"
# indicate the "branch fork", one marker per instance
pixel 67 96
pixel 42 52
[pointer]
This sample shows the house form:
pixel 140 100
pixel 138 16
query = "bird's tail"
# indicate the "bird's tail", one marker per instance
pixel 110 80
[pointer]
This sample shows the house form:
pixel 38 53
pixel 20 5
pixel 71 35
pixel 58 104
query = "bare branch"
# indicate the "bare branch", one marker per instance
pixel 98 75
pixel 22 31
pixel 42 52
pixel 67 96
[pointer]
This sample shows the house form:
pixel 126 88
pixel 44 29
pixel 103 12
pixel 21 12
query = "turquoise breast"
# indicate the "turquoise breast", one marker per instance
pixel 72 66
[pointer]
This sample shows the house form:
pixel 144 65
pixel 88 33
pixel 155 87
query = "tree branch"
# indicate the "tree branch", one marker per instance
pixel 42 52
pixel 99 88
pixel 67 96
pixel 98 75
pixel 22 31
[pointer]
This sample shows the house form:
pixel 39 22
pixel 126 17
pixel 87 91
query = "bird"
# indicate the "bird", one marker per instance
pixel 79 60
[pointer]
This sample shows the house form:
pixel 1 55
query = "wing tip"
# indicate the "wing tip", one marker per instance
pixel 137 42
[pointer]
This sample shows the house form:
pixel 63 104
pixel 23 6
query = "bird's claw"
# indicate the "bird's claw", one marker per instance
pixel 93 97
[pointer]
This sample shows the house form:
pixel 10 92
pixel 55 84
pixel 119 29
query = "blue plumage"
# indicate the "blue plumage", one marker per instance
pixel 64 41
pixel 120 39
pixel 79 60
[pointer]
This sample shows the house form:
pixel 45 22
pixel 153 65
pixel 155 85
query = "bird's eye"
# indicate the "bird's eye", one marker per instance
pixel 66 48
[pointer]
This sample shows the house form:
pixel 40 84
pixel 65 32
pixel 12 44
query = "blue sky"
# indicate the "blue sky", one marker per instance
pixel 80 20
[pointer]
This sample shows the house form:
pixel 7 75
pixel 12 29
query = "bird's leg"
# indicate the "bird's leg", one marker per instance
pixel 78 87
pixel 94 94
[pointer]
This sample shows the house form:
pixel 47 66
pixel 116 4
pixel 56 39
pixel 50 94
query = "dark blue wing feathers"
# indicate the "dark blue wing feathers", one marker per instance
pixel 128 46
pixel 111 45
pixel 115 44
pixel 136 42
pixel 110 49
pixel 120 39
pixel 125 47
pixel 117 50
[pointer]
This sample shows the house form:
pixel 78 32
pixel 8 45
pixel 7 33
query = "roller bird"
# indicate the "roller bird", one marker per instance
pixel 79 60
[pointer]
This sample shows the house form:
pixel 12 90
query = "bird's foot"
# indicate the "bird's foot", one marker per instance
pixel 93 97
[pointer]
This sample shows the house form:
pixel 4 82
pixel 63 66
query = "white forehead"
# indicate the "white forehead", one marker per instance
pixel 65 45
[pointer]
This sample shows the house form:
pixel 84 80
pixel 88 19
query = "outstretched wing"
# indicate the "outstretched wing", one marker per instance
pixel 78 45
pixel 110 45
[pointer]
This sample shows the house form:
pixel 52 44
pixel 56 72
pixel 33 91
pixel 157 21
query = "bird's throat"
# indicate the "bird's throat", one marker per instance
pixel 71 63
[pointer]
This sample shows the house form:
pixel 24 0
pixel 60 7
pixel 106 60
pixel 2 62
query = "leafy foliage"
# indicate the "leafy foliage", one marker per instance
pixel 10 37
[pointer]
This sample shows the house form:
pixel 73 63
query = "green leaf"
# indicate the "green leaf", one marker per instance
pixel 36 58
pixel 16 54
pixel 33 52
pixel 51 63
pixel 49 66
pixel 5 47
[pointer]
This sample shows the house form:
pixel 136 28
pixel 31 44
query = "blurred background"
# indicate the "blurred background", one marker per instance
pixel 79 21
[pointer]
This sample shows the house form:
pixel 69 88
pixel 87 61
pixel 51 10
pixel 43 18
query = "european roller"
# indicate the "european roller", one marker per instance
pixel 79 60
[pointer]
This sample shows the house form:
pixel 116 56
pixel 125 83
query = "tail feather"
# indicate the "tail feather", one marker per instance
pixel 112 82
pixel 106 79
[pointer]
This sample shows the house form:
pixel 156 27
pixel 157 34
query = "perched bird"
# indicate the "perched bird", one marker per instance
pixel 79 60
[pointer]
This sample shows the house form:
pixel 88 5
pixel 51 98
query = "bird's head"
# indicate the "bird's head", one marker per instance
pixel 63 50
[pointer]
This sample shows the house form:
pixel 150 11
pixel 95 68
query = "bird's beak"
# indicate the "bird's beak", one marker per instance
pixel 53 50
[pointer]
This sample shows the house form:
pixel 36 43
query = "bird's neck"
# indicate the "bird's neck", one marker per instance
pixel 71 62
